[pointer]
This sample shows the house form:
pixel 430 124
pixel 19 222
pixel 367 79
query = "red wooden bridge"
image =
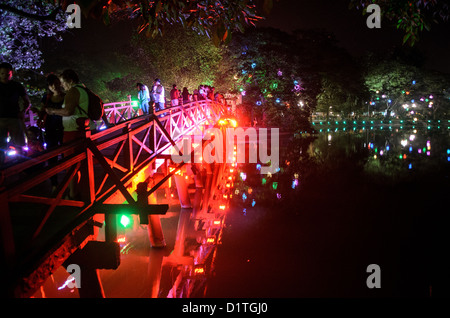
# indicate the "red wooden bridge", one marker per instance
pixel 113 171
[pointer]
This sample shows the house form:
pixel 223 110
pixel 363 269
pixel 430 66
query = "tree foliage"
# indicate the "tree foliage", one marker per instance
pixel 409 16
pixel 23 24
pixel 181 56
pixel 288 76
pixel 393 83
pixel 216 19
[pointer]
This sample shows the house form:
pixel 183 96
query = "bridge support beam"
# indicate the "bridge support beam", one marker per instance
pixel 182 189
pixel 155 232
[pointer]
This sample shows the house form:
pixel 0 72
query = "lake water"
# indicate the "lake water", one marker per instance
pixel 341 201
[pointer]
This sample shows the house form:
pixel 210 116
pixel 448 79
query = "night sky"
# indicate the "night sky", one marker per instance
pixel 349 27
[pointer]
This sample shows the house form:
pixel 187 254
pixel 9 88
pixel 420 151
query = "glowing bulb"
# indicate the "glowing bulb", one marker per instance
pixel 125 220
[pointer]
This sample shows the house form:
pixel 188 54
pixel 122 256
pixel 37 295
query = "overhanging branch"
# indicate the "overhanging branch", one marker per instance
pixel 37 17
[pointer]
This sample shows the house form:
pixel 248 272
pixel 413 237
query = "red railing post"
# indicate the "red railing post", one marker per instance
pixel 128 148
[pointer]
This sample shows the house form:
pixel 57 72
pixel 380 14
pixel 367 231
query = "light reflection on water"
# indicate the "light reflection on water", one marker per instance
pixel 394 154
pixel 342 200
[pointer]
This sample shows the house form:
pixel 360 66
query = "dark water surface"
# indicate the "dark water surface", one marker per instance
pixel 341 201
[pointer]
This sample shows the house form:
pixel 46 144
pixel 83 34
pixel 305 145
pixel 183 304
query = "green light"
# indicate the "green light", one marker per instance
pixel 275 185
pixel 400 157
pixel 376 150
pixel 125 220
pixel 424 149
pixel 263 181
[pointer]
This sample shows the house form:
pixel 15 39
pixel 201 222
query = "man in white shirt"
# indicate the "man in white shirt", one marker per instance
pixel 158 95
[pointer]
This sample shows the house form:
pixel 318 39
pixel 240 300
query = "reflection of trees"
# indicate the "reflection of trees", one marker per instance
pixel 345 162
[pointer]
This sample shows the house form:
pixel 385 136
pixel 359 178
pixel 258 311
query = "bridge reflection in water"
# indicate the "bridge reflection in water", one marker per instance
pixel 123 212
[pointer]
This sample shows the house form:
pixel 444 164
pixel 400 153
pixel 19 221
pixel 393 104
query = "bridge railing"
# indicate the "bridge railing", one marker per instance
pixel 115 112
pixel 108 165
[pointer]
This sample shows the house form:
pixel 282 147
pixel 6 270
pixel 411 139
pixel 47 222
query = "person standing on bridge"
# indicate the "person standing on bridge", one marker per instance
pixel 158 93
pixel 143 97
pixel 174 95
pixel 76 98
pixel 186 96
pixel 54 130
pixel 11 116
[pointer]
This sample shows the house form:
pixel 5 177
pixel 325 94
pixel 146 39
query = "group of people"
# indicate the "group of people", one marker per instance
pixel 62 110
pixel 62 114
pixel 153 100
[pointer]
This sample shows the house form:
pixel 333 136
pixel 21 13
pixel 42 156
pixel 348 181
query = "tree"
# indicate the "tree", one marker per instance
pixel 289 74
pixel 217 19
pixel 410 16
pixel 406 89
pixel 389 83
pixel 22 25
pixel 271 67
pixel 181 56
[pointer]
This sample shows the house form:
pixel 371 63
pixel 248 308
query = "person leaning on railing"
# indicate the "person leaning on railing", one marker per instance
pixel 73 117
pixel 76 98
